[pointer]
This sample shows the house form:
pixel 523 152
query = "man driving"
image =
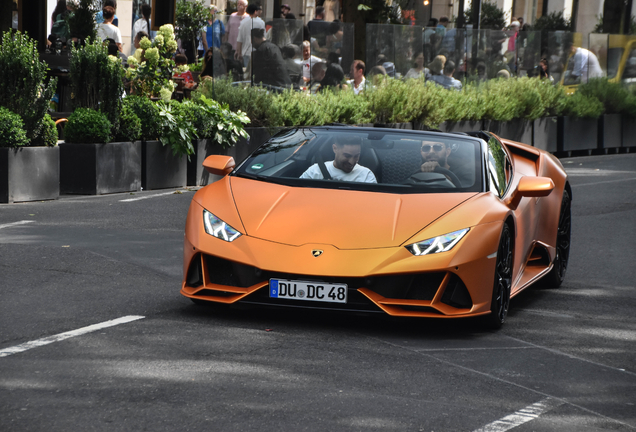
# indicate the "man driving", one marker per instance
pixel 435 154
pixel 345 166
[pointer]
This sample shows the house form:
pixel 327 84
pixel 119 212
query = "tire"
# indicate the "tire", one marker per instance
pixel 555 278
pixel 500 301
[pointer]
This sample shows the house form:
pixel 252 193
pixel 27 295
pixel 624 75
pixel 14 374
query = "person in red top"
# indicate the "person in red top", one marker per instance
pixel 182 60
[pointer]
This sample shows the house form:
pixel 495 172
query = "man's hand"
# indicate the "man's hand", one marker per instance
pixel 429 166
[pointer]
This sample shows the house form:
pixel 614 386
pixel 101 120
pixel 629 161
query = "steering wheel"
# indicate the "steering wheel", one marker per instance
pixel 448 173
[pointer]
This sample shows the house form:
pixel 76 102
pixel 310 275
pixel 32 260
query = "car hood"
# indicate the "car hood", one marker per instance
pixel 344 219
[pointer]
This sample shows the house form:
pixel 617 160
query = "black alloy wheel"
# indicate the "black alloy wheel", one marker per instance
pixel 503 280
pixel 555 278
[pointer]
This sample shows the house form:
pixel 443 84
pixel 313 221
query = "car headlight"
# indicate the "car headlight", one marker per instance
pixel 438 244
pixel 219 229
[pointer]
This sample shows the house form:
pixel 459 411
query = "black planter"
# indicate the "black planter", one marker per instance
pixel 408 125
pixel 197 175
pixel 95 169
pixel 545 135
pixel 160 169
pixel 462 126
pixel 577 134
pixel 629 132
pixel 518 130
pixel 610 131
pixel 29 174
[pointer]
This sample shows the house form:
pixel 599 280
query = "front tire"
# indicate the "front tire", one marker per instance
pixel 555 278
pixel 503 281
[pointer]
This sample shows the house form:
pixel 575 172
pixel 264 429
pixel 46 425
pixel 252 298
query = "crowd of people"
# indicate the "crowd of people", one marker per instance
pixel 285 53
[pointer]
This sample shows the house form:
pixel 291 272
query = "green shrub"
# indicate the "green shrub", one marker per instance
pixel 387 102
pixel 97 80
pixel 147 112
pixel 615 98
pixel 12 133
pixel 467 105
pixel 582 106
pixel 23 87
pixel 87 126
pixel 213 121
pixel 176 129
pixel 48 134
pixel 345 107
pixel 254 101
pixel 129 126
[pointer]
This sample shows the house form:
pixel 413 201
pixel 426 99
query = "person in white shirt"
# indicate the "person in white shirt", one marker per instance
pixel 234 22
pixel 345 166
pixel 244 39
pixel 107 30
pixel 143 23
pixel 308 62
pixel 585 65
pixel 357 81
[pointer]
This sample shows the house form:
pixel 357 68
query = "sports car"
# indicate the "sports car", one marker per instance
pixel 405 223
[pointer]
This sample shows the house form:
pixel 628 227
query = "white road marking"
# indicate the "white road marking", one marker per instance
pixel 147 196
pixel 601 182
pixel 522 416
pixel 23 222
pixel 69 334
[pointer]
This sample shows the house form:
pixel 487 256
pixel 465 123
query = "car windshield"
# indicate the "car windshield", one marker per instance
pixel 382 160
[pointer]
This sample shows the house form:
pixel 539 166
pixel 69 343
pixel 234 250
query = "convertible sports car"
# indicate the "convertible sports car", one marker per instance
pixel 355 219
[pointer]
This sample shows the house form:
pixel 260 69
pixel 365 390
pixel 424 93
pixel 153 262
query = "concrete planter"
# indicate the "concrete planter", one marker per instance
pixel 463 126
pixel 518 130
pixel 197 175
pixel 160 169
pixel 545 136
pixel 610 131
pixel 29 174
pixel 629 132
pixel 96 169
pixel 577 134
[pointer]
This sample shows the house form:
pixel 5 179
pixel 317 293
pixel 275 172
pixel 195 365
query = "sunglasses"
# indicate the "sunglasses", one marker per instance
pixel 436 147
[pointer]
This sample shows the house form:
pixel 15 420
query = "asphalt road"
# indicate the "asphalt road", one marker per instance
pixel 565 360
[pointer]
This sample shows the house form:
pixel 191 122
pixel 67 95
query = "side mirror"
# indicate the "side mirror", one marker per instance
pixel 219 164
pixel 530 187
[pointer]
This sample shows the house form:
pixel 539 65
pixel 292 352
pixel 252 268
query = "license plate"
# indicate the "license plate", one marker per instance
pixel 309 291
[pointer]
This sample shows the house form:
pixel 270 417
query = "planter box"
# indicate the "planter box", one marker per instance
pixel 197 175
pixel 160 169
pixel 29 174
pixel 610 131
pixel 629 132
pixel 96 169
pixel 463 126
pixel 518 130
pixel 577 134
pixel 545 136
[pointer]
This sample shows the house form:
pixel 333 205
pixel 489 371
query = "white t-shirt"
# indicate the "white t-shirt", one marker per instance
pixel 307 64
pixel 360 88
pixel 108 31
pixel 358 173
pixel 245 33
pixel 586 65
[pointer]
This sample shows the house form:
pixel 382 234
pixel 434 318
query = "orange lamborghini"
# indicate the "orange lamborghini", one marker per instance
pixel 407 223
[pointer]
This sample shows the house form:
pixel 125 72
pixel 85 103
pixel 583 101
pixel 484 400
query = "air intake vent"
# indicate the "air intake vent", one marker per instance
pixel 456 294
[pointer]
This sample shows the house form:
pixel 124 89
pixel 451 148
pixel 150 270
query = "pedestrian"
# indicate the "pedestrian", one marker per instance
pixel 106 30
pixel 269 67
pixel 99 16
pixel 214 31
pixel 284 10
pixel 143 23
pixel 234 22
pixel 244 39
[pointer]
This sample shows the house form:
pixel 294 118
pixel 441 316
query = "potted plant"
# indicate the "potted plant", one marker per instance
pixel 217 129
pixel 153 76
pixel 578 127
pixel 29 157
pixel 463 111
pixel 90 163
pixel 545 128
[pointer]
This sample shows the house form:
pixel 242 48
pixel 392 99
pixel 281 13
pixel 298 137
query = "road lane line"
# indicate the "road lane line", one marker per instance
pixel 601 182
pixel 12 224
pixel 522 416
pixel 66 335
pixel 146 197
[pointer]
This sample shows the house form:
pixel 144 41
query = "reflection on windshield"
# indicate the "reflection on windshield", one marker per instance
pixel 387 161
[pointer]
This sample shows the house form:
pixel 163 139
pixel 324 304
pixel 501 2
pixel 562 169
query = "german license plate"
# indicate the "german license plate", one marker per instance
pixel 308 291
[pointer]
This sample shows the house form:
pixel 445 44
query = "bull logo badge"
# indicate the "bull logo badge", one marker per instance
pixel 316 253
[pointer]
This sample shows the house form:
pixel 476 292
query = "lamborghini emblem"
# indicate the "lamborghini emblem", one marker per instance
pixel 316 253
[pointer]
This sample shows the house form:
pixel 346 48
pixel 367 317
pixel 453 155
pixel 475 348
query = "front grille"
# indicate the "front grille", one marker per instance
pixel 419 286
